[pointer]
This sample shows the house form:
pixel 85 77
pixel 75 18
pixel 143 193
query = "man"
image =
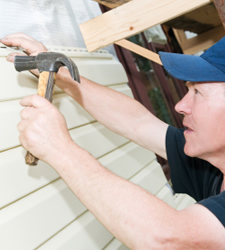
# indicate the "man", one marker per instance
pixel 134 216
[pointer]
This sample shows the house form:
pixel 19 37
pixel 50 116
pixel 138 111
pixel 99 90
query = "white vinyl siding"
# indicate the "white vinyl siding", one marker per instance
pixel 37 209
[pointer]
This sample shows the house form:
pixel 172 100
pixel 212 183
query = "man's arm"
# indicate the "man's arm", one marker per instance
pixel 121 114
pixel 118 112
pixel 133 215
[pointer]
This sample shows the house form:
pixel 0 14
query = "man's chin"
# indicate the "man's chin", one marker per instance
pixel 189 151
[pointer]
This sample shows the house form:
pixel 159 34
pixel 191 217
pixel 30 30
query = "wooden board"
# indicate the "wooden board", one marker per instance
pixel 198 21
pixel 201 42
pixel 139 50
pixel 132 18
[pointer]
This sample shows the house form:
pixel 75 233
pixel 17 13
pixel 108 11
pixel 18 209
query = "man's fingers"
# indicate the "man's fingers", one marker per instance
pixel 27 113
pixel 12 55
pixel 31 47
pixel 19 35
pixel 22 126
pixel 35 101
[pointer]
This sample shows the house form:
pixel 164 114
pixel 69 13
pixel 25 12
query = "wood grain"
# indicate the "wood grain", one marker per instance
pixel 132 18
pixel 45 89
pixel 139 50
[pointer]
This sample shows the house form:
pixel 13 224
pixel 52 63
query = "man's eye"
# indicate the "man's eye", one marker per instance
pixel 196 91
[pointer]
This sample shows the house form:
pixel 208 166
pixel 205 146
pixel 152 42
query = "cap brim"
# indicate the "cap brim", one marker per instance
pixel 190 68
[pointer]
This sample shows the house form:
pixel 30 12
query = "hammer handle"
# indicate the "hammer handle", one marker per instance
pixel 45 89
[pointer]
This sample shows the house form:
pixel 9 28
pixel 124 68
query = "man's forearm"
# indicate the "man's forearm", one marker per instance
pixel 111 108
pixel 130 213
pixel 118 112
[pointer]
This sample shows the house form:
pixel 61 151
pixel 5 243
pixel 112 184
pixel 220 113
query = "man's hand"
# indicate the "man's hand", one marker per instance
pixel 31 46
pixel 43 129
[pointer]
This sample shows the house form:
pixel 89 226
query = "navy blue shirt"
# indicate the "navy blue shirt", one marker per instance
pixel 193 176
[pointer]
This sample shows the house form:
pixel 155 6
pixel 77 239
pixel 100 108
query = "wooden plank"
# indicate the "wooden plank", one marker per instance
pixel 132 18
pixel 202 41
pixel 220 6
pixel 84 233
pixel 180 35
pixel 139 50
pixel 32 220
pixel 112 3
pixel 198 21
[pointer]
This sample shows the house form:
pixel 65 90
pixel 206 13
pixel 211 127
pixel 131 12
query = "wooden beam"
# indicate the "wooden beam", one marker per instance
pixel 180 36
pixel 202 41
pixel 132 18
pixel 220 6
pixel 112 3
pixel 139 50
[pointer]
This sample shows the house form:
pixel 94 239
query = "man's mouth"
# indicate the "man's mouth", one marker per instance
pixel 188 129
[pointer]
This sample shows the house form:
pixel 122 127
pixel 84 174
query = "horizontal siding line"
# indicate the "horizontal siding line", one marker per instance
pixel 162 188
pixel 143 168
pixel 30 193
pixel 85 124
pixel 13 99
pixel 62 229
pixel 55 179
pixel 119 84
pixel 5 150
pixel 98 158
pixel 108 243
pixel 58 93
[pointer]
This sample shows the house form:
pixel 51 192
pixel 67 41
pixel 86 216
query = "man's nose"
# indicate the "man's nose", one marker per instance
pixel 184 105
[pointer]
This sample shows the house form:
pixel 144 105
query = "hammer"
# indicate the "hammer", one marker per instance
pixel 48 64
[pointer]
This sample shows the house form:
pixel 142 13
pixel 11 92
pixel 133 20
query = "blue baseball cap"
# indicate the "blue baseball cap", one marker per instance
pixel 208 67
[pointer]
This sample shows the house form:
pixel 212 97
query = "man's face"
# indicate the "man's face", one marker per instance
pixel 203 108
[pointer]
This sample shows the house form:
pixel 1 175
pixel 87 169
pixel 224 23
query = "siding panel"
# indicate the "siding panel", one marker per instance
pixel 37 209
pixel 32 220
pixel 85 233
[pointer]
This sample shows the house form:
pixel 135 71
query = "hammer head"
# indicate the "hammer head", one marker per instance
pixel 47 61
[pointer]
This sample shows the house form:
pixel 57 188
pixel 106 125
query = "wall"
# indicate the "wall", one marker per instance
pixel 37 209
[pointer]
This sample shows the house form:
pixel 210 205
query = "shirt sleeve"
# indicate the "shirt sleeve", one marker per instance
pixel 216 204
